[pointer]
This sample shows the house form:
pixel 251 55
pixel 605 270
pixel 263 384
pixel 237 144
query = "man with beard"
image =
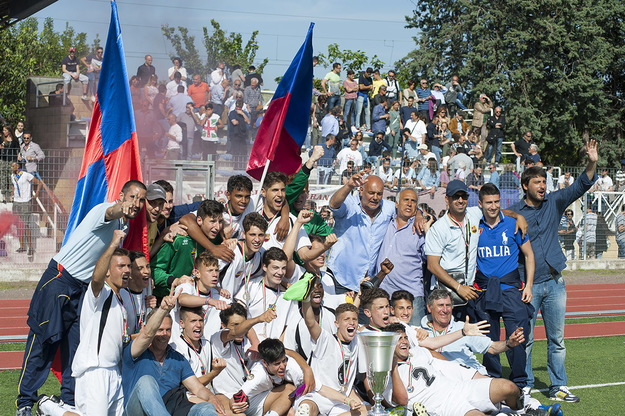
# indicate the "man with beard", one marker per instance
pixel 544 212
pixel 53 313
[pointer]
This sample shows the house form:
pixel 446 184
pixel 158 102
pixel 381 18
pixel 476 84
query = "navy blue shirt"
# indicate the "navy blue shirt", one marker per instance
pixel 498 247
pixel 174 370
pixel 543 225
pixel 329 155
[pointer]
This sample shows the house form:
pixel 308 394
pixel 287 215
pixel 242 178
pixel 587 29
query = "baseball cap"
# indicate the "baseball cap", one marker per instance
pixel 155 192
pixel 423 146
pixel 72 49
pixel 455 186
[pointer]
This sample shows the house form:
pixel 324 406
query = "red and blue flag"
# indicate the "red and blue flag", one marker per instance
pixel 283 129
pixel 111 153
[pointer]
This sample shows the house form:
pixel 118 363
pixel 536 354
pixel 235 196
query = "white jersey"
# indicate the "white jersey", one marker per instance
pixel 261 297
pixel 111 344
pixel 236 221
pixel 297 338
pixel 231 379
pixel 212 322
pixel 232 276
pixel 426 384
pixel 334 363
pixel 263 382
pixel 136 309
pixel 200 360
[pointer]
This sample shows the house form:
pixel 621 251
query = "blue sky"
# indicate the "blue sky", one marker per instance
pixel 282 26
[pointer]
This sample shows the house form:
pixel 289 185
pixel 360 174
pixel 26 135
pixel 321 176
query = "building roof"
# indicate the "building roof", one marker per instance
pixel 12 11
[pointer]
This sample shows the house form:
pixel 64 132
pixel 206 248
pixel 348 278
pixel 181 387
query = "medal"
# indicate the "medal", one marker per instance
pixel 343 389
pixel 125 338
pixel 410 389
pixel 272 306
pixel 250 376
pixel 246 296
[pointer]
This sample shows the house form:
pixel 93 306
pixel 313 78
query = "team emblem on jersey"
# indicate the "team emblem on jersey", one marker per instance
pixel 194 252
pixel 504 238
pixel 239 273
pixel 473 229
pixel 267 237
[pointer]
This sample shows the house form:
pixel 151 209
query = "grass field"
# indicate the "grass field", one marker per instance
pixel 589 361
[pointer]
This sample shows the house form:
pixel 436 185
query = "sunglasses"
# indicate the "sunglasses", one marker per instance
pixel 459 195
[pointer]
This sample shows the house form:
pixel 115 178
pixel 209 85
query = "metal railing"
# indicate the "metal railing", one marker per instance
pixel 39 95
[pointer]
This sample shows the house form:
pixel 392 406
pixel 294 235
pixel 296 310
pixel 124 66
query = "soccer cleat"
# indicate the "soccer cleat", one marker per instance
pixel 562 394
pixel 303 410
pixel 552 409
pixel 419 410
pixel 536 412
pixel 24 411
pixel 43 398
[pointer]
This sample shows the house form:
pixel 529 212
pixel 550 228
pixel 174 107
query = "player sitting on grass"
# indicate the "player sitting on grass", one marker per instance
pixel 140 280
pixel 176 258
pixel 269 387
pixel 422 387
pixel 248 256
pixel 232 344
pixel 195 348
pixel 202 293
pixel 334 363
pixel 266 292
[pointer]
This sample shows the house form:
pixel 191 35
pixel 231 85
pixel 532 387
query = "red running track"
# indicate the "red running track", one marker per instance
pixel 590 300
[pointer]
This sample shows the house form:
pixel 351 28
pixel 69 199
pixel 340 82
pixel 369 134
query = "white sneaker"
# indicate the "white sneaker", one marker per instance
pixel 84 97
pixel 93 98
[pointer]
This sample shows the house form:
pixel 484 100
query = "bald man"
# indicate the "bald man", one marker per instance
pixel 361 221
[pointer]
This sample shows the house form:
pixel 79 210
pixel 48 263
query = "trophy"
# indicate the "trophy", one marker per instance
pixel 379 349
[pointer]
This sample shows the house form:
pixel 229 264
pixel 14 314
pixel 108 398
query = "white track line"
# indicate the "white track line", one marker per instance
pixel 587 386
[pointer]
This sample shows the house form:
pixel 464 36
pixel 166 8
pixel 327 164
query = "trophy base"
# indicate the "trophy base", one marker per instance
pixel 377 410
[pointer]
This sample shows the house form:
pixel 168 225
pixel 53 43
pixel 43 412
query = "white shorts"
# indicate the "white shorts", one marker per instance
pixel 454 370
pixel 326 406
pixel 67 78
pixel 99 392
pixel 257 403
pixel 468 395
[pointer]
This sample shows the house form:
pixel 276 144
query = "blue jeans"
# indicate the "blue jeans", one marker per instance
pixel 324 175
pixel 489 151
pixel 333 101
pixel 459 101
pixel 349 114
pixel 621 249
pixel 146 399
pixel 418 311
pixel 438 152
pixel 550 298
pixel 360 103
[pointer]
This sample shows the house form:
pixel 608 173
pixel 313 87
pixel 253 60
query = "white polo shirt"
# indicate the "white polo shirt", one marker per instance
pixel 232 275
pixel 447 240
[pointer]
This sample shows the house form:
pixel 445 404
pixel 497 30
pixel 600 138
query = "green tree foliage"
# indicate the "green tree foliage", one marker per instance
pixel 220 46
pixel 28 52
pixel 355 60
pixel 556 67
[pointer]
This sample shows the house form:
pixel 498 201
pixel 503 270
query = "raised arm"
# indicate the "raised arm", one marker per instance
pixel 303 217
pixel 148 332
pixel 102 266
pixel 220 251
pixel 469 330
pixel 339 196
pixel 593 156
pixel 243 328
pixel 309 319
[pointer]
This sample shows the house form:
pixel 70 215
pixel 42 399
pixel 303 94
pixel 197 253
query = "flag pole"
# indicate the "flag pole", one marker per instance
pixel 262 178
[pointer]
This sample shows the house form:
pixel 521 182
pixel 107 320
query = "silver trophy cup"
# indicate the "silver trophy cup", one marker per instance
pixel 379 349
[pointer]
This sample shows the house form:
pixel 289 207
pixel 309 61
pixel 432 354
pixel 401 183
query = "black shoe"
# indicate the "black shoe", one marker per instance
pixel 20 250
pixel 43 398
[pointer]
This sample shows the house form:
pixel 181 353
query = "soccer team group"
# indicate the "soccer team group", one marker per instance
pixel 239 310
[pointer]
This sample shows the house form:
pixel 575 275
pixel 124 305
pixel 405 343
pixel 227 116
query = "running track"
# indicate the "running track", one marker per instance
pixel 583 301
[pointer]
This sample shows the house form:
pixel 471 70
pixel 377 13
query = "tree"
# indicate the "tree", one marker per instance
pixel 28 52
pixel 220 46
pixel 355 60
pixel 548 64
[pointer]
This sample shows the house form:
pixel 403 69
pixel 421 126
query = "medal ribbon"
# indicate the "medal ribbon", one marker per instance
pixel 349 366
pixel 246 279
pixel 247 372
pixel 409 389
pixel 434 332
pixel 140 314
pixel 203 368
pixel 270 305
pixel 124 313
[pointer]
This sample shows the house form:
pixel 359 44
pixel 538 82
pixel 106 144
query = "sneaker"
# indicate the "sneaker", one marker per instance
pixel 419 410
pixel 563 394
pixel 20 250
pixel 527 390
pixel 93 98
pixel 24 411
pixel 84 97
pixel 552 409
